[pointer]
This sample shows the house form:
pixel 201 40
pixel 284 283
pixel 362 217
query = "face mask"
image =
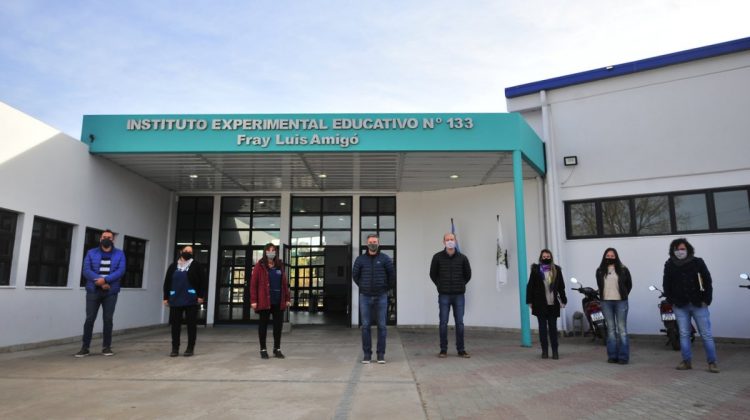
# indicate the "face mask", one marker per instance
pixel 547 261
pixel 681 254
pixel 186 256
pixel 372 247
pixel 106 243
pixel 610 261
pixel 450 244
pixel 271 255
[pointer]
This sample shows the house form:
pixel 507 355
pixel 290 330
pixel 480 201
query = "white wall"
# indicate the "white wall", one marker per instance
pixel 422 220
pixel 51 175
pixel 682 127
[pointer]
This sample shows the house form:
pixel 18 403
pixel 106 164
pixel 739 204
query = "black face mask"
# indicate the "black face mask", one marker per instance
pixel 610 261
pixel 106 243
pixel 547 261
pixel 186 256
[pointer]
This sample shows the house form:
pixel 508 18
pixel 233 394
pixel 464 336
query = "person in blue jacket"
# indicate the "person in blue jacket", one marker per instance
pixel 374 274
pixel 184 291
pixel 103 268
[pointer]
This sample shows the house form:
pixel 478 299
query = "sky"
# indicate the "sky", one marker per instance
pixel 60 60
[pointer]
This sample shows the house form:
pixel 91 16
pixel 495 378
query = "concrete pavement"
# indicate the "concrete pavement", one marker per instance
pixel 322 378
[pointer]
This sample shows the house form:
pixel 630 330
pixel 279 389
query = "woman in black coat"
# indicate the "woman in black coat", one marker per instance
pixel 184 292
pixel 545 294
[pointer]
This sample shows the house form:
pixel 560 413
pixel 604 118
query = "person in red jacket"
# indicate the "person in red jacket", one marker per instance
pixel 269 295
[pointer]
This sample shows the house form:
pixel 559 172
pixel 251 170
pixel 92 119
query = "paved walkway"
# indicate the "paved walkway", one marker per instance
pixel 322 378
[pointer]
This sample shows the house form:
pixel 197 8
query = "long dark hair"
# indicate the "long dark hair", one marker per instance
pixel 276 260
pixel 618 264
pixel 552 266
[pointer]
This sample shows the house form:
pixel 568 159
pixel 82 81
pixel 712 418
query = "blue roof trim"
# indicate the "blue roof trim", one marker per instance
pixel 631 67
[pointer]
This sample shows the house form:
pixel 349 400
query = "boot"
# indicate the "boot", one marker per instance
pixel 188 351
pixel 555 356
pixel 175 351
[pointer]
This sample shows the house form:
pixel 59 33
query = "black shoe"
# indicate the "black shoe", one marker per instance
pixel 443 354
pixel 622 362
pixel 263 354
pixel 82 353
pixel 188 352
pixel 545 355
pixel 555 356
pixel 278 354
pixel 612 361
pixel 108 351
pixel 464 354
pixel 175 352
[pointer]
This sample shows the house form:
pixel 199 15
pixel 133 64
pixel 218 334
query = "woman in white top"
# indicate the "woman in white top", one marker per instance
pixel 614 282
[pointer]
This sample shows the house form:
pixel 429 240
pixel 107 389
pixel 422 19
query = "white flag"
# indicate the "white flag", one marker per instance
pixel 501 274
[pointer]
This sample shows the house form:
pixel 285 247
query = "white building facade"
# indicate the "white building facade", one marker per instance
pixel 670 137
pixel 662 150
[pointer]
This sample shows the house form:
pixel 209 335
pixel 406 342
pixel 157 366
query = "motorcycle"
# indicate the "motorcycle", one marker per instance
pixel 745 276
pixel 592 308
pixel 669 319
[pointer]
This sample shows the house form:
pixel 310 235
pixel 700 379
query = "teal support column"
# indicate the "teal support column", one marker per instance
pixel 521 244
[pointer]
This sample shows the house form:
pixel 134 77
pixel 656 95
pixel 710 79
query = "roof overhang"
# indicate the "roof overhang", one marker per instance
pixel 317 152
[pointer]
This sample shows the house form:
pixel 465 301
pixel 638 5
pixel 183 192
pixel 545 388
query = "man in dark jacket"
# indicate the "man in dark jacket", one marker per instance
pixel 450 271
pixel 374 275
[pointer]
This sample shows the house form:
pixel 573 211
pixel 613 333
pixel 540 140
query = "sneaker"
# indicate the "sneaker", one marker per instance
pixel 443 354
pixel 381 360
pixel 278 354
pixel 366 360
pixel 263 354
pixel 188 352
pixel 82 353
pixel 684 365
pixel 464 354
pixel 107 351
pixel 713 368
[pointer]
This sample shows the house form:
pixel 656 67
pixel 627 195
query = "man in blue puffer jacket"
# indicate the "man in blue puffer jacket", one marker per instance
pixel 374 275
pixel 103 268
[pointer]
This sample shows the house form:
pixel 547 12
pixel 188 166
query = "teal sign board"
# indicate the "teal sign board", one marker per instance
pixel 312 133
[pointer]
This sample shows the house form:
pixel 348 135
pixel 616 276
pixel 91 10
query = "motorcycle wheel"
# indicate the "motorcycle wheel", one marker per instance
pixel 673 334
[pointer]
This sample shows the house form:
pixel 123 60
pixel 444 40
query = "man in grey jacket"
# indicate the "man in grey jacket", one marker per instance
pixel 450 271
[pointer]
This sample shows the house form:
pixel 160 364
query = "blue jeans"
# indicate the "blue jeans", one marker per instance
pixel 366 306
pixel 616 315
pixel 93 301
pixel 702 321
pixel 457 302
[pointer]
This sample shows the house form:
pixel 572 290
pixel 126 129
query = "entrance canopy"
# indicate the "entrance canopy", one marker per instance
pixel 317 152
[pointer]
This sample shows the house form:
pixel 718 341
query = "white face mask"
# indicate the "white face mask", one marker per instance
pixel 681 254
pixel 450 244
pixel 271 255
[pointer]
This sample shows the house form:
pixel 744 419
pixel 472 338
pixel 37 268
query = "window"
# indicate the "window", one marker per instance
pixel 582 219
pixel 135 258
pixel 616 217
pixel 91 240
pixel 8 220
pixel 49 254
pixel 691 212
pixel 726 209
pixel 732 209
